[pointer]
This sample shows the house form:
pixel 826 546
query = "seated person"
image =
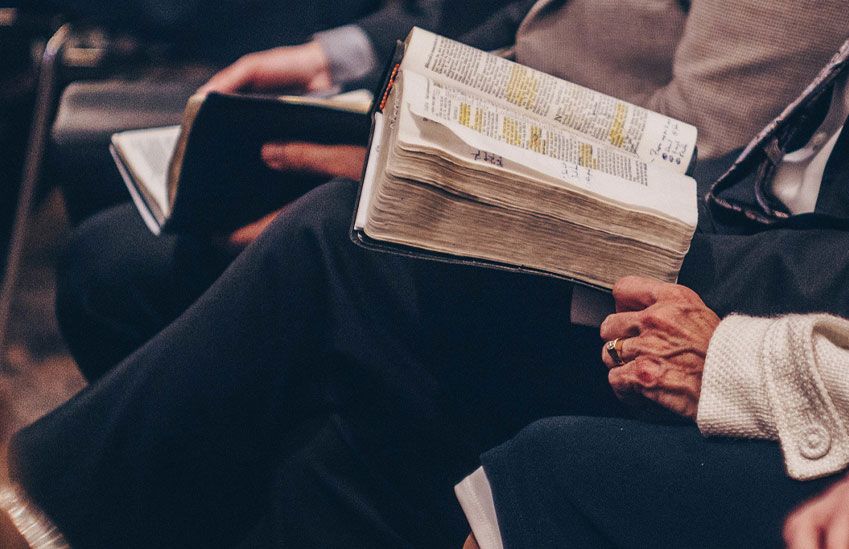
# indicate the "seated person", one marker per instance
pixel 309 57
pixel 602 482
pixel 110 302
pixel 215 31
pixel 585 482
pixel 319 394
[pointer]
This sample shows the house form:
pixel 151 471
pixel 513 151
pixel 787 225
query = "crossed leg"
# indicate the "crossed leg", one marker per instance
pixel 425 365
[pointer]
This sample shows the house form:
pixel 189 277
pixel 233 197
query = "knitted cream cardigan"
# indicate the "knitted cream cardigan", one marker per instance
pixel 785 379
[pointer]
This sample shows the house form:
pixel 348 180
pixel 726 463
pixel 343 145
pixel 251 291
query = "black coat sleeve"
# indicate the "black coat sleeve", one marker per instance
pixel 773 272
pixel 395 19
pixel 499 29
pixel 485 24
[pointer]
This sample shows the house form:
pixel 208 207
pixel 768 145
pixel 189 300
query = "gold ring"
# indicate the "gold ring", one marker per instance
pixel 613 349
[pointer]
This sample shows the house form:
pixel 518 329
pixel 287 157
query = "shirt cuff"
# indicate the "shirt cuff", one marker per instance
pixel 733 400
pixel 349 51
pixel 475 496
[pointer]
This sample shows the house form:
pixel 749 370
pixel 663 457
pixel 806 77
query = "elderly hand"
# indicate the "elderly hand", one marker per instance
pixel 664 331
pixel 304 68
pixel 822 522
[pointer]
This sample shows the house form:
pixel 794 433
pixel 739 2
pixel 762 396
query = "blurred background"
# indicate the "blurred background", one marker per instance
pixel 71 73
pixel 35 367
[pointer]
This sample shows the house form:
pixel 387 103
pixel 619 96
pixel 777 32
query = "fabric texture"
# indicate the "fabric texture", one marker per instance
pixel 422 366
pixel 349 52
pixel 581 482
pixel 726 67
pixel 798 176
pixel 110 302
pixel 499 29
pixel 782 378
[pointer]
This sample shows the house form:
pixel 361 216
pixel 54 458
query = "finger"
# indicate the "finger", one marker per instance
pixel 802 529
pixel 234 78
pixel 837 529
pixel 628 350
pixel 804 535
pixel 634 293
pixel 326 160
pixel 625 388
pixel 624 379
pixel 471 542
pixel 652 381
pixel 621 325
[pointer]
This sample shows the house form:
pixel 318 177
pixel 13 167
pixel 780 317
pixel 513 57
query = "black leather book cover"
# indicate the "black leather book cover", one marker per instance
pixel 223 182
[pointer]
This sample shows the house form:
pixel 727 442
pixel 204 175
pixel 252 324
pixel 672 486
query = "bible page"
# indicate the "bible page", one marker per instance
pixel 147 154
pixel 496 138
pixel 652 137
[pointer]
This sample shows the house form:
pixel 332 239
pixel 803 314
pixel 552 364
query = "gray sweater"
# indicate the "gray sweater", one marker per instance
pixel 727 67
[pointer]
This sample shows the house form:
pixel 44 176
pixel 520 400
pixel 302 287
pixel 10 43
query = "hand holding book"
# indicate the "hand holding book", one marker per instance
pixel 209 176
pixel 315 158
pixel 298 157
pixel 478 160
pixel 303 68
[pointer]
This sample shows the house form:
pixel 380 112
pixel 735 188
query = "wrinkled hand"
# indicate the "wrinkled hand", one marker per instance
pixel 312 158
pixel 304 67
pixel 822 522
pixel 665 331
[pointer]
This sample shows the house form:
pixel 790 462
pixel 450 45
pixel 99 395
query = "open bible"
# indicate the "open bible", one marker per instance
pixel 207 175
pixel 474 158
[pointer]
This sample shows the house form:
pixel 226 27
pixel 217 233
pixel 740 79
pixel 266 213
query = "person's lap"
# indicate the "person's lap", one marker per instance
pixel 428 364
pixel 118 285
pixel 597 482
pixel 446 358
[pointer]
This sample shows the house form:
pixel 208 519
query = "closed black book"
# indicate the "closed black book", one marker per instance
pixel 207 175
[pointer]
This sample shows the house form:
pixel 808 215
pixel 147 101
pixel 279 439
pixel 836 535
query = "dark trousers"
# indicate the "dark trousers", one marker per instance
pixel 213 429
pixel 600 482
pixel 336 394
pixel 118 285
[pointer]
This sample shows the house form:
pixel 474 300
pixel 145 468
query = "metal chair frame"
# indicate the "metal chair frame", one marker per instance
pixel 48 81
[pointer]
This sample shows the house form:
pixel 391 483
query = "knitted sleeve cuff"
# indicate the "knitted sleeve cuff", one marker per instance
pixel 733 399
pixel 781 379
pixel 805 360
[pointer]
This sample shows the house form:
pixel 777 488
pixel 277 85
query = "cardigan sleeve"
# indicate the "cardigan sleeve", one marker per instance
pixel 785 379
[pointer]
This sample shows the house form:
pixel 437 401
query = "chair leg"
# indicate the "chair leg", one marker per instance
pixel 48 73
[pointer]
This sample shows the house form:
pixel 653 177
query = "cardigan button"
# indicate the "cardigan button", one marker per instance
pixel 815 442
